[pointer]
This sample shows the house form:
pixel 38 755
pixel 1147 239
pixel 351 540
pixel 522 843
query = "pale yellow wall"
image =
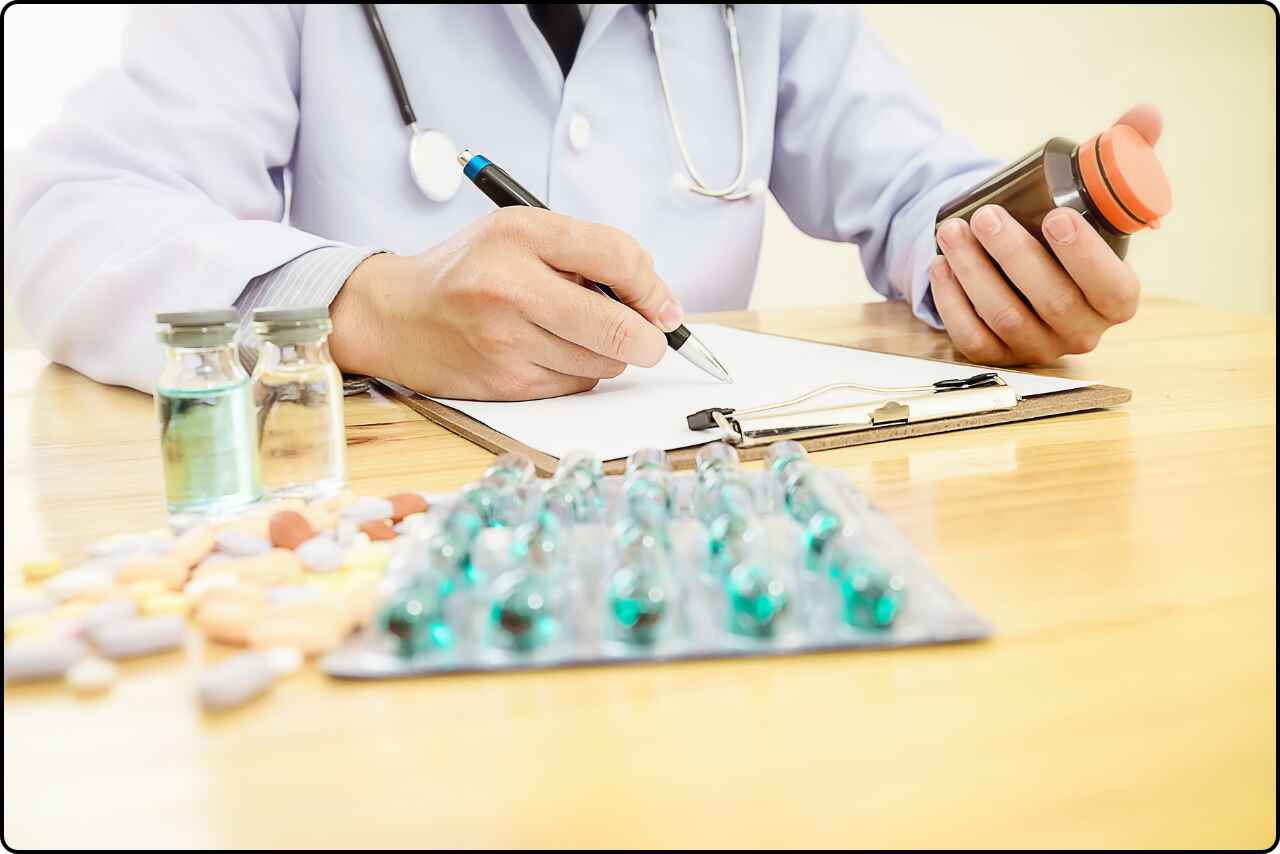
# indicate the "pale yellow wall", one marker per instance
pixel 1012 76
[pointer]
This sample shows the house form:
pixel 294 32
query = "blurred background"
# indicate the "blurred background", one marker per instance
pixel 1007 76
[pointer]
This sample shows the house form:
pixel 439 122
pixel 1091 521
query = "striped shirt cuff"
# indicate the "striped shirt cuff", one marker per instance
pixel 313 278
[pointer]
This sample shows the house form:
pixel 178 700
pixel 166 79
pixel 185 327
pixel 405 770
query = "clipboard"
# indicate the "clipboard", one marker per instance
pixel 1027 408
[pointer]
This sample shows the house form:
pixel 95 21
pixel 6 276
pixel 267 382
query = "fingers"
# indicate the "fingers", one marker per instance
pixel 1146 119
pixel 599 253
pixel 564 357
pixel 970 335
pixel 591 320
pixel 1108 283
pixel 1012 321
pixel 1057 300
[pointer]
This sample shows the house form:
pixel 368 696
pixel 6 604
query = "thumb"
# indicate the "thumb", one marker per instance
pixel 1146 120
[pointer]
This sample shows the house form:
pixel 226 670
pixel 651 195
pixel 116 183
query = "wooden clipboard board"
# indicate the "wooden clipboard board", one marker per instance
pixel 1039 406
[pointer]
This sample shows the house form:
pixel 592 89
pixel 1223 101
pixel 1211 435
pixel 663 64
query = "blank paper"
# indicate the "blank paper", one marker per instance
pixel 647 407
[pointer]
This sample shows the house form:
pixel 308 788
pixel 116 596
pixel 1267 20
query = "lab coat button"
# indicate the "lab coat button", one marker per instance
pixel 579 132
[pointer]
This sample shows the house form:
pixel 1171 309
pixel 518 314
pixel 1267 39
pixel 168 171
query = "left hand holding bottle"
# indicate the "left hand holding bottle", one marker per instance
pixel 1074 299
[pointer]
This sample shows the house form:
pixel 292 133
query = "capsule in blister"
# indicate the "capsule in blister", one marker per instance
pixel 496 506
pixel 758 598
pixel 520 612
pixel 510 472
pixel 780 456
pixel 540 545
pixel 650 460
pixel 812 501
pixel 414 614
pixel 731 538
pixel 871 597
pixel 585 471
pixel 567 502
pixel 640 597
pixel 714 459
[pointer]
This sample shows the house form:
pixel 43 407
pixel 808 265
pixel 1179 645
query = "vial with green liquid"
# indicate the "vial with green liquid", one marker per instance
pixel 208 438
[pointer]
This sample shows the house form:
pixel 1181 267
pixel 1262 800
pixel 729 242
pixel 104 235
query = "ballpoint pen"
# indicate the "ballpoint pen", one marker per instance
pixel 506 192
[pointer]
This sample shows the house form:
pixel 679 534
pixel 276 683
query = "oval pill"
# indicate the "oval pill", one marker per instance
pixel 237 543
pixel 378 529
pixel 366 508
pixel 40 569
pixel 320 554
pixel 46 657
pixel 139 636
pixel 290 529
pixel 83 581
pixel 229 621
pixel 91 676
pixel 235 681
pixel 165 603
pixel 406 504
pixel 284 660
pixel 167 570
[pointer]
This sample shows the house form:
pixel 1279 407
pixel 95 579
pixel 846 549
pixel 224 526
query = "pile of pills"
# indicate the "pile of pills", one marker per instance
pixel 284 581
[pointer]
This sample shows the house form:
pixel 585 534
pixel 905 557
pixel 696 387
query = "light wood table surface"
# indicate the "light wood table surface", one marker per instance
pixel 1127 559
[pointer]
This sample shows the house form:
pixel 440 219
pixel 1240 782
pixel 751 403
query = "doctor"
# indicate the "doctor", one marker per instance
pixel 652 133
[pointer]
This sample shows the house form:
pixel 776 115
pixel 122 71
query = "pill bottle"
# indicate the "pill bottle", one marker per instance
pixel 297 389
pixel 1113 179
pixel 205 409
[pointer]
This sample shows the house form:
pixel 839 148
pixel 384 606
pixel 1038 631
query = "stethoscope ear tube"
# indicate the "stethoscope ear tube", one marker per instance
pixel 389 62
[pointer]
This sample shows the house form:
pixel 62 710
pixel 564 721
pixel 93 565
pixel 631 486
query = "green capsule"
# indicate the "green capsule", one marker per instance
pixel 781 456
pixel 648 496
pixel 567 502
pixel 872 598
pixel 731 538
pixel 414 615
pixel 520 615
pixel 639 599
pixel 510 472
pixel 538 545
pixel 495 507
pixel 757 600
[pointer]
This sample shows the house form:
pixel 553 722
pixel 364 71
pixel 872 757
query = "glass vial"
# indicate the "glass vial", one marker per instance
pixel 297 389
pixel 203 401
pixel 1114 180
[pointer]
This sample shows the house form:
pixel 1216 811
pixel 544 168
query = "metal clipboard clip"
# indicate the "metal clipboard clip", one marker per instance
pixel 761 425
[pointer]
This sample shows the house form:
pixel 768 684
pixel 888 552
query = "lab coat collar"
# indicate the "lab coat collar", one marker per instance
pixel 540 54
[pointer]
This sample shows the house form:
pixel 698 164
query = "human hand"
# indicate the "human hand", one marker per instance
pixel 1072 302
pixel 499 311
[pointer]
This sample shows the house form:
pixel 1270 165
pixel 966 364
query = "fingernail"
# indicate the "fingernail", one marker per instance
pixel 987 221
pixel 670 315
pixel 949 234
pixel 1061 226
pixel 937 267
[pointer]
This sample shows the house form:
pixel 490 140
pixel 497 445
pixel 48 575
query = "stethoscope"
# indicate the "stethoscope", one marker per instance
pixel 433 156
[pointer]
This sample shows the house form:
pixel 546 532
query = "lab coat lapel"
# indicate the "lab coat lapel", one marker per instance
pixel 601 16
pixel 544 61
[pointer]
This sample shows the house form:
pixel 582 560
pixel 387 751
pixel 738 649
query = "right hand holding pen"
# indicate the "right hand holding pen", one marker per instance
pixel 499 311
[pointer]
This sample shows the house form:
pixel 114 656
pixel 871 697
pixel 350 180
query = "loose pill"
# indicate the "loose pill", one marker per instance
pixel 38 570
pixel 406 504
pixel 366 508
pixel 229 621
pixel 165 603
pixel 284 660
pixel 314 626
pixel 47 657
pixel 166 570
pixel 240 544
pixel 131 544
pixel 139 636
pixel 23 601
pixel 193 546
pixel 320 554
pixel 378 529
pixel 290 529
pixel 235 681
pixel 91 676
pixel 83 581
pixel 28 625
pixel 111 611
pixel 202 584
pixel 372 557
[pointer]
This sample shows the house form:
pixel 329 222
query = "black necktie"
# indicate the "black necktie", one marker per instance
pixel 561 25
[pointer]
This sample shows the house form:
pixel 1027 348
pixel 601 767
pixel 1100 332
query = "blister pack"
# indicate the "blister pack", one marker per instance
pixel 515 573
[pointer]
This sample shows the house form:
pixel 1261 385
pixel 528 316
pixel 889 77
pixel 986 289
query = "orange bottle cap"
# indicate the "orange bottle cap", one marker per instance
pixel 1125 179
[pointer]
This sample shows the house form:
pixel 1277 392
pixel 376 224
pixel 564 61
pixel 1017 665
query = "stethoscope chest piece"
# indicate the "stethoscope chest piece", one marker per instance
pixel 433 162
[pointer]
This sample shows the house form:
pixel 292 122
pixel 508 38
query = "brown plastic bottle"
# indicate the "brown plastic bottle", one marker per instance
pixel 1113 179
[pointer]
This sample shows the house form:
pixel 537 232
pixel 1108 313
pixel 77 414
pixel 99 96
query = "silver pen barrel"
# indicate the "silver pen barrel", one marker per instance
pixel 698 355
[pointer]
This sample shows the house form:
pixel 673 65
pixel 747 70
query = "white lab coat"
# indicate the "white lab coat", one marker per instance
pixel 161 187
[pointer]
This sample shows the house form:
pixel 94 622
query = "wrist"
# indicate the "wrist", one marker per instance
pixel 356 342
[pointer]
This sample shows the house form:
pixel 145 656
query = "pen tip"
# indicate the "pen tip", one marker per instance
pixel 463 156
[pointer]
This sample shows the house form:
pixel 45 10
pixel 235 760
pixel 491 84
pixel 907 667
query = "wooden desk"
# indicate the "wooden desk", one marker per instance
pixel 1127 559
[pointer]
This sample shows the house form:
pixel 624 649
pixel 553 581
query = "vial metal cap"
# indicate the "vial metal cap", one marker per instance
pixel 292 325
pixel 211 328
pixel 212 317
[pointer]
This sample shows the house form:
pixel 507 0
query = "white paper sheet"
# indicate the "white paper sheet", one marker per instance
pixel 647 408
